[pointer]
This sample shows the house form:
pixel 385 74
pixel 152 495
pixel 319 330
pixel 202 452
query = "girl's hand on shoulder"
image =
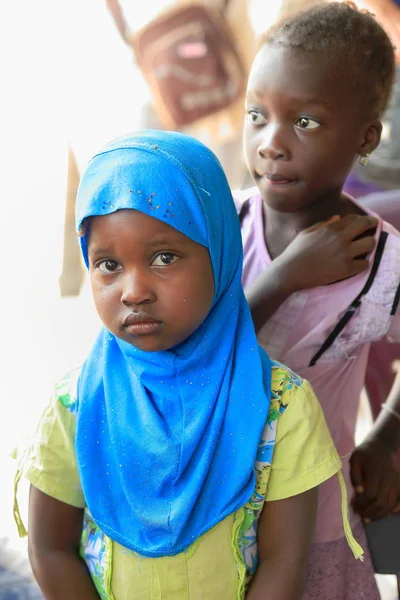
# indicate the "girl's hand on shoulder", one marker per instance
pixel 329 252
pixel 376 480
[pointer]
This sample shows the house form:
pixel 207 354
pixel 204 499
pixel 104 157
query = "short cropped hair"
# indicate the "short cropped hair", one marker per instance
pixel 351 37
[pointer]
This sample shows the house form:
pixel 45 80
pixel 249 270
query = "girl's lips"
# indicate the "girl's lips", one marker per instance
pixel 144 327
pixel 277 180
pixel 141 323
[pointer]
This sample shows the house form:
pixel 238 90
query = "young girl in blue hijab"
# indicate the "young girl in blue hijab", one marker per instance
pixel 178 461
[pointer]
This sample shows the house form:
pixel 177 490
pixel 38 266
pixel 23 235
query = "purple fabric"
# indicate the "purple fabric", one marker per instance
pixel 300 326
pixel 357 188
pixel 301 323
pixel 380 371
pixel 333 574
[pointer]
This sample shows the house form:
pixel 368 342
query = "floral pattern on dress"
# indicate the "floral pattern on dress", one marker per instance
pixel 284 383
pixel 66 390
pixel 96 547
pixel 94 551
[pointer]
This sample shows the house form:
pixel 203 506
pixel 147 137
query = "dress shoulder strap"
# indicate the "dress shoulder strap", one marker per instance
pixel 356 302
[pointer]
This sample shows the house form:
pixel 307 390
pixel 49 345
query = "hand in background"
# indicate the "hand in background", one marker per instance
pixel 376 480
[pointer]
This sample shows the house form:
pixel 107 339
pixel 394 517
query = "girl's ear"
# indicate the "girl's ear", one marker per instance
pixel 370 138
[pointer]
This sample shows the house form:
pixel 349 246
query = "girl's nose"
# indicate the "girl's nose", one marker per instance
pixel 137 289
pixel 272 145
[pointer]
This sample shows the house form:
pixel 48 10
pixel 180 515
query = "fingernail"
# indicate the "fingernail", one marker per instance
pixel 360 489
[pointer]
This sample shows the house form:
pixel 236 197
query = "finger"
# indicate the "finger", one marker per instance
pixel 367 508
pixel 374 482
pixel 383 504
pixel 396 509
pixel 361 505
pixel 356 475
pixel 356 225
pixel 382 486
pixel 362 246
pixel 348 220
pixel 375 511
pixel 392 500
pixel 321 224
pixel 358 265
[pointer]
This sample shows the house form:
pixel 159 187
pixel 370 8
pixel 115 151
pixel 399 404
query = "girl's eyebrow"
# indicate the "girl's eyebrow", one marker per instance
pixel 254 92
pixel 152 243
pixel 311 101
pixel 163 241
pixel 100 251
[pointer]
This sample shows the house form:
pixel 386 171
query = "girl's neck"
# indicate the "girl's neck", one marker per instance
pixel 281 228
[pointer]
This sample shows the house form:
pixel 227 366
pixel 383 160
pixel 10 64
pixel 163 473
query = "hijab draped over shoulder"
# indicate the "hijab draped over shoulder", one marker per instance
pixel 166 441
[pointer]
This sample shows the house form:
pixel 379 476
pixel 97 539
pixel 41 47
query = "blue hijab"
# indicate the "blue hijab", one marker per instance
pixel 166 441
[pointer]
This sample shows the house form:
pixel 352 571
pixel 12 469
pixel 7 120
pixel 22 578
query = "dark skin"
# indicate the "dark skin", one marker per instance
pixel 55 530
pixel 305 128
pixel 62 574
pixel 301 140
pixel 307 253
pixel 278 521
pixel 374 472
pixel 333 247
pixel 319 255
pixel 139 264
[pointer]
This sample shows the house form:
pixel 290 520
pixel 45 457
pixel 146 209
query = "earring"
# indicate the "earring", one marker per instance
pixel 363 160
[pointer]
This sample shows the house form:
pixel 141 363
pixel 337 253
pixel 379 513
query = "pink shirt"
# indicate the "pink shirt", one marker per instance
pixel 301 325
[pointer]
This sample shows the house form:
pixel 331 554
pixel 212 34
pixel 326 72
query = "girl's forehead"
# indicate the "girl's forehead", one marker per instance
pixel 128 221
pixel 129 231
pixel 298 76
pixel 277 65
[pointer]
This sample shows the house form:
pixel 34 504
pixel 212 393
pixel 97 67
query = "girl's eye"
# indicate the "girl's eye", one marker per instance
pixel 164 259
pixel 307 123
pixel 108 266
pixel 256 117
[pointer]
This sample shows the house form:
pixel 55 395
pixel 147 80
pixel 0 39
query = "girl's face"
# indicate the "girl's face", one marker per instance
pixel 303 127
pixel 152 285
